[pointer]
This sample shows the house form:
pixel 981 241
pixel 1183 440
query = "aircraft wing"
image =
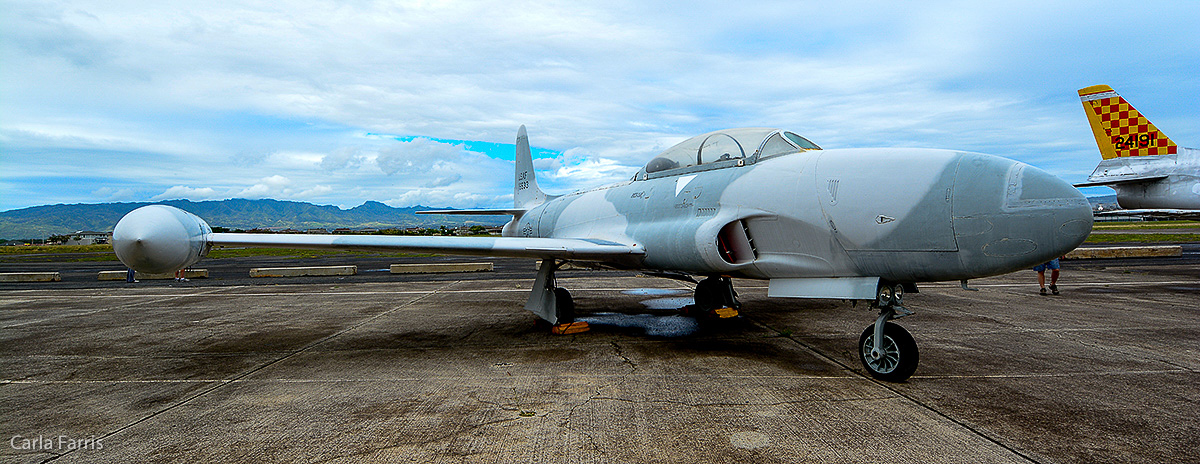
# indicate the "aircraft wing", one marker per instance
pixel 516 247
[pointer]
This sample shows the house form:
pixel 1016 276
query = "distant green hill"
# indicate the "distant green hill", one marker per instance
pixel 42 221
pixel 1104 199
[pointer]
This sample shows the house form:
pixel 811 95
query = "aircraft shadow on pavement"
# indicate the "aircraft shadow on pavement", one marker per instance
pixel 663 321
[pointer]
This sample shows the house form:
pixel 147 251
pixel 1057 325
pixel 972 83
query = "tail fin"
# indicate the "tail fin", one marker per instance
pixel 1119 129
pixel 526 193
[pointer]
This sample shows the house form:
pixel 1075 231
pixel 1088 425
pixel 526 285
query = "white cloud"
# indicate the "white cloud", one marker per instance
pixel 443 181
pixel 344 157
pixel 418 155
pixel 443 197
pixel 314 192
pixel 275 185
pixel 547 164
pixel 163 95
pixel 115 194
pixel 183 192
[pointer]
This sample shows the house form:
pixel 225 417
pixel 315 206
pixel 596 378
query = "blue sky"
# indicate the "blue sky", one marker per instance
pixel 419 102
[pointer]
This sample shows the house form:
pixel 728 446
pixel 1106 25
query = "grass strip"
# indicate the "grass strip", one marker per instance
pixel 1139 225
pixel 1149 238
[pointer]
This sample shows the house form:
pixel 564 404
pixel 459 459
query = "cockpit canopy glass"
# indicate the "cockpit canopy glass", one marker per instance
pixel 729 144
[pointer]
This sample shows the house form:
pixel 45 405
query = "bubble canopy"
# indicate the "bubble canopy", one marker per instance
pixel 729 146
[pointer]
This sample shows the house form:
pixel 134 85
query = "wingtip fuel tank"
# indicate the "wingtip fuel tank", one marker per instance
pixel 159 239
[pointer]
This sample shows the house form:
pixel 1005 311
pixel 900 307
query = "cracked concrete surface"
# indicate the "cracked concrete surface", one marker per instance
pixel 450 369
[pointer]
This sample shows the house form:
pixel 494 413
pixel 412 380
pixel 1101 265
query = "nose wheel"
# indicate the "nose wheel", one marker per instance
pixel 896 358
pixel 887 351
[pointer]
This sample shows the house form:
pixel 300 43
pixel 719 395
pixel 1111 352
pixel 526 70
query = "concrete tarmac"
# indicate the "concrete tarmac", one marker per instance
pixel 449 368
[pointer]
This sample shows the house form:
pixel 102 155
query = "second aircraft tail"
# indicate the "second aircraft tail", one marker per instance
pixel 1120 130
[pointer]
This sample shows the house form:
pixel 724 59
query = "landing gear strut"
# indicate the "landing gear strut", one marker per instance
pixel 887 351
pixel 547 300
pixel 552 303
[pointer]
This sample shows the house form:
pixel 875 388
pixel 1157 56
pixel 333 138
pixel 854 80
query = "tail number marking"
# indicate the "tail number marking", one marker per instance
pixel 1124 142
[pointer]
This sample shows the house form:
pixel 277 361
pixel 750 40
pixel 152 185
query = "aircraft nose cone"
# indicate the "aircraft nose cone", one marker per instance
pixel 1009 215
pixel 1069 213
pixel 157 239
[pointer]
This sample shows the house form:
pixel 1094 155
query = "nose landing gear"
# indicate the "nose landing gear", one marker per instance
pixel 887 351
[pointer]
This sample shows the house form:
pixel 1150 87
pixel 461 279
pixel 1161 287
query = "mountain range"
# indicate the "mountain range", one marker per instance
pixel 42 221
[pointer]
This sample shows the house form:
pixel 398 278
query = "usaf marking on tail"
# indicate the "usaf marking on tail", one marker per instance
pixel 1150 173
pixel 758 203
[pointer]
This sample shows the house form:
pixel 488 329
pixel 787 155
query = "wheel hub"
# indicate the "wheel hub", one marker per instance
pixel 884 360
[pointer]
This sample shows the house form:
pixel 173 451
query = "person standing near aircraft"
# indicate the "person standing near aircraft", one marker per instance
pixel 1041 270
pixel 179 275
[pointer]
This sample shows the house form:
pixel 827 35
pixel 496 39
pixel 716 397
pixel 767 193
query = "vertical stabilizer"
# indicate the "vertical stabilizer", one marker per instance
pixel 1119 129
pixel 526 193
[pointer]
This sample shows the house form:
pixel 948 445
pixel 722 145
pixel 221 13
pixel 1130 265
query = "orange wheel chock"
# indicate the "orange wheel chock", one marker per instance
pixel 570 328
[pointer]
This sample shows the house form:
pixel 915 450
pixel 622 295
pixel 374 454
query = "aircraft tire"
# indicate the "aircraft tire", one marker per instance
pixel 564 306
pixel 715 292
pixel 900 353
pixel 706 296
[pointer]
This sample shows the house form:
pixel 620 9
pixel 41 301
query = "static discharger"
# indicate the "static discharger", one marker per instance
pixel 570 328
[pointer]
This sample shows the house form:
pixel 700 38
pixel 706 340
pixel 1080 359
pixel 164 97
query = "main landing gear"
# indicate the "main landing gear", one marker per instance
pixel 887 351
pixel 553 303
pixel 715 297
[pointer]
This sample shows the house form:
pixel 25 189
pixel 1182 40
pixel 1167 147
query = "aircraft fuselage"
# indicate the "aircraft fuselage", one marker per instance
pixel 904 215
pixel 1179 187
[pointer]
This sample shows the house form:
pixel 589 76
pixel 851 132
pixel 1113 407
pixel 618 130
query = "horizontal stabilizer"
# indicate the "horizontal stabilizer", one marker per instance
pixel 1122 180
pixel 477 212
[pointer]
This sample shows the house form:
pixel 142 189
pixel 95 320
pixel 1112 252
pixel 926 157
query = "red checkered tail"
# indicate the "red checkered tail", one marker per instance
pixel 1120 129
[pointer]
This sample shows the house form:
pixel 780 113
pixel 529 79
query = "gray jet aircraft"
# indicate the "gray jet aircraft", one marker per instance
pixel 756 203
pixel 1150 173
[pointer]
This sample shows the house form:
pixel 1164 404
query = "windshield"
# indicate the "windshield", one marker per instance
pixel 729 144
